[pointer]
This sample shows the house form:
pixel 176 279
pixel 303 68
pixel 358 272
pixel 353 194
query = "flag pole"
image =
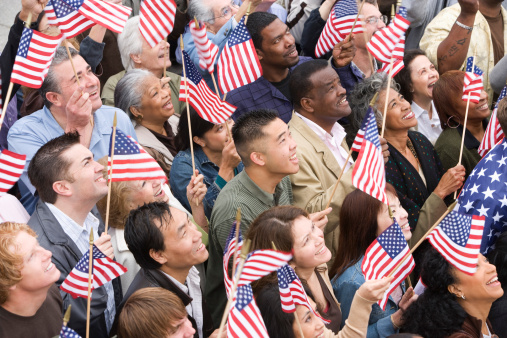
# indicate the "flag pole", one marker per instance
pixel 465 125
pixel 11 84
pixel 355 20
pixel 90 273
pixel 110 174
pixel 389 78
pixel 236 253
pixel 372 102
pixel 248 11
pixel 244 252
pixel 449 209
pixel 66 317
pixel 166 55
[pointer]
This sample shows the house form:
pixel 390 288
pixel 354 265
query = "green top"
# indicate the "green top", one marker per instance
pixel 240 192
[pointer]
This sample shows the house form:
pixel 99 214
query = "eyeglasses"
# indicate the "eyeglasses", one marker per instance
pixel 373 20
pixel 226 12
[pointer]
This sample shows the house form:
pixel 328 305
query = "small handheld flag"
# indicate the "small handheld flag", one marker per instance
pixel 156 20
pixel 206 49
pixel 473 84
pixel 11 168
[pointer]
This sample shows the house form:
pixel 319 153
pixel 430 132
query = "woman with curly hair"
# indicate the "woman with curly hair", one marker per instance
pixel 454 304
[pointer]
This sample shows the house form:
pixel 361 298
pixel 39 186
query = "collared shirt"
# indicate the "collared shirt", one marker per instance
pixel 430 128
pixel 333 141
pixel 192 288
pixel 80 235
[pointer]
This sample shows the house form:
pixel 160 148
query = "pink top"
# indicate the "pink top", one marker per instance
pixel 11 210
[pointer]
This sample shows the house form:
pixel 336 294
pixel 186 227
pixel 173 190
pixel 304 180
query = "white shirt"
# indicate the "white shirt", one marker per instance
pixel 192 288
pixel 428 127
pixel 333 141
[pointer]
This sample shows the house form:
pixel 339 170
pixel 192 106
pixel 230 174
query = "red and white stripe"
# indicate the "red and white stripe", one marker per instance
pixel 493 135
pixel 247 323
pixel 473 87
pixel 11 168
pixel 383 43
pixel 261 263
pixel 156 20
pixel 107 14
pixel 206 50
pixel 70 25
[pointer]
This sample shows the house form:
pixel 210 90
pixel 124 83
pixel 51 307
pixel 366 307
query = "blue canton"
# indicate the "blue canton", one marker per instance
pixel 190 71
pixel 502 95
pixel 244 296
pixel 402 11
pixel 124 145
pixel 24 43
pixel 457 227
pixel 470 62
pixel 392 240
pixel 345 8
pixel 282 278
pixel 61 8
pixel 232 236
pixel 371 133
pixel 67 332
pixel 239 34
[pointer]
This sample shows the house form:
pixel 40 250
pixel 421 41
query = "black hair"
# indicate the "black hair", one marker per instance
pixel 300 83
pixel 403 77
pixel 199 127
pixel 257 21
pixel 436 313
pixel 498 257
pixel 142 233
pixel 48 165
pixel 249 128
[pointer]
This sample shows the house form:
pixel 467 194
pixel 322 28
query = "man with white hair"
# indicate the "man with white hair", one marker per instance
pixel 137 54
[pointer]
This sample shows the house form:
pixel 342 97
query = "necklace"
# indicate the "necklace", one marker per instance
pixel 412 150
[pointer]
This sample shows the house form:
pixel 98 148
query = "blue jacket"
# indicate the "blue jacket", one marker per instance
pixel 345 287
pixel 181 171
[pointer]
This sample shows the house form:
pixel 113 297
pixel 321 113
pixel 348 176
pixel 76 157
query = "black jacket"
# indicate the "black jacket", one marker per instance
pixel 146 278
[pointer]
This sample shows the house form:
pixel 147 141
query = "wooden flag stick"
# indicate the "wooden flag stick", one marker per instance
pixel 72 64
pixel 372 102
pixel 449 209
pixel 388 89
pixel 236 253
pixel 244 252
pixel 188 108
pixel 110 174
pixel 393 12
pixel 366 40
pixel 66 317
pixel 246 16
pixel 355 20
pixel 90 273
pixel 166 55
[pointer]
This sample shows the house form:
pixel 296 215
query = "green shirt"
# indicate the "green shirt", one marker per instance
pixel 240 192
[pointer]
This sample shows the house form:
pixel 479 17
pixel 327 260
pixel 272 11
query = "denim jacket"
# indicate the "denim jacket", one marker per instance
pixel 345 287
pixel 181 171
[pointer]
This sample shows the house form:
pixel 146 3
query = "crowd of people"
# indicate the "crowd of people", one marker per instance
pixel 277 160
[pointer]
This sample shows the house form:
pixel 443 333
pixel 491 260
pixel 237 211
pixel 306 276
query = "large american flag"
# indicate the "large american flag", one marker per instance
pixel 494 132
pixel 69 20
pixel 206 49
pixel 107 14
pixel 473 85
pixel 156 20
pixel 382 257
pixel 104 269
pixel 67 332
pixel 382 44
pixel 292 292
pixel 245 319
pixel 11 168
pixel 368 174
pixel 260 263
pixel 230 248
pixel 131 162
pixel 238 64
pixel 35 52
pixel 458 238
pixel 207 104
pixel 338 26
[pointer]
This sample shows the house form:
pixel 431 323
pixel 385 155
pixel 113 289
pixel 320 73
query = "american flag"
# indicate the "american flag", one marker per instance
pixel 245 319
pixel 473 85
pixel 67 332
pixel 70 21
pixel 458 238
pixel 104 270
pixel 338 26
pixel 368 174
pixel 399 52
pixel 238 64
pixel 485 194
pixel 260 263
pixel 156 20
pixel 494 132
pixel 131 162
pixel 107 14
pixel 11 168
pixel 206 49
pixel 207 104
pixel 292 292
pixel 230 249
pixel 382 257
pixel 35 52
pixel 383 43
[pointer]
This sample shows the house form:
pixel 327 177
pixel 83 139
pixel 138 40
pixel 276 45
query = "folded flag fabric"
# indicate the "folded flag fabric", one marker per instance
pixel 156 20
pixel 494 132
pixel 473 84
pixel 11 168
pixel 69 20
pixel 107 14
pixel 206 49
pixel 260 263
pixel 231 246
pixel 245 319
pixel 398 53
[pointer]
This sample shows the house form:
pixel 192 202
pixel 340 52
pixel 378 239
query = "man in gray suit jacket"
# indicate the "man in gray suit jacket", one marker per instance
pixel 70 183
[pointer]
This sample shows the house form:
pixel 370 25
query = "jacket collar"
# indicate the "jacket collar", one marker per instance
pixel 158 278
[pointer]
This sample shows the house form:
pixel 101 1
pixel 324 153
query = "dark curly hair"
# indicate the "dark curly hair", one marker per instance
pixel 436 313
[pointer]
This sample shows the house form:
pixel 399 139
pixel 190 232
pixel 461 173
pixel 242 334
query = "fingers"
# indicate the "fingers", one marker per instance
pixel 103 243
pixel 319 215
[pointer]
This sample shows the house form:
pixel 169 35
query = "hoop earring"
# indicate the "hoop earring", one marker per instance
pixel 449 120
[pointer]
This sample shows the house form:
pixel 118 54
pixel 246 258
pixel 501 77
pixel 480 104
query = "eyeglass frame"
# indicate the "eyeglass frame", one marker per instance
pixel 225 12
pixel 369 20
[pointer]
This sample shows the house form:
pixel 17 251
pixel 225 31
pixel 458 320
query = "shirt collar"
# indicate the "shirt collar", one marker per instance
pixel 71 228
pixel 337 132
pixel 418 111
pixel 192 278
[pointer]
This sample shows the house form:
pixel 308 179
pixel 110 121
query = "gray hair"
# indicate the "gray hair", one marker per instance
pixel 199 10
pixel 50 83
pixel 130 41
pixel 129 90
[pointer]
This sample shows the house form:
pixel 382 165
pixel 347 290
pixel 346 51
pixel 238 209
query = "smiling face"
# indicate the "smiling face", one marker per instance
pixel 309 247
pixel 152 59
pixel 146 191
pixel 423 76
pixel 399 113
pixel 38 272
pixel 384 221
pixel 476 111
pixel 311 325
pixel 156 105
pixel 278 46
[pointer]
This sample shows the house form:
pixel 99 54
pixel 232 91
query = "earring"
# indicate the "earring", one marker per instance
pixel 463 296
pixel 449 120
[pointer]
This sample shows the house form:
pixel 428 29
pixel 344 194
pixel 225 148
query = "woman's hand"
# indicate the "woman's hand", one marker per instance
pixel 320 219
pixel 373 290
pixel 408 298
pixel 230 160
pixel 196 190
pixel 451 181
